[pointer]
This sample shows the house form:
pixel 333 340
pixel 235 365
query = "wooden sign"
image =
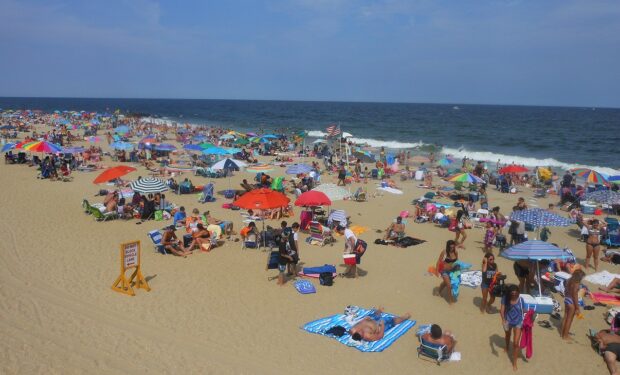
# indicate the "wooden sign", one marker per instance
pixel 130 259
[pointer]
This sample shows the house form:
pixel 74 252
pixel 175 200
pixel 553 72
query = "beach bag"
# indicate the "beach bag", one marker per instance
pixel 360 247
pixel 159 215
pixel 326 278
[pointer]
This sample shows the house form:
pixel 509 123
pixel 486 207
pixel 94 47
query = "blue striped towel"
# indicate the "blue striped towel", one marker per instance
pixel 391 335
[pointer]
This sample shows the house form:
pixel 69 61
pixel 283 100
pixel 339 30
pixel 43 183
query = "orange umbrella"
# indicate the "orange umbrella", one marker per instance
pixel 113 173
pixel 513 169
pixel 262 199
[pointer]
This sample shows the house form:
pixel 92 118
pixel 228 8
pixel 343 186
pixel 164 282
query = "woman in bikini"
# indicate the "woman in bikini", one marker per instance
pixel 489 270
pixel 571 302
pixel 460 229
pixel 445 264
pixel 593 243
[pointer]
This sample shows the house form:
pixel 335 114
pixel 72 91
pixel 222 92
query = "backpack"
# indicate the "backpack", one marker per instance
pixel 326 278
pixel 360 247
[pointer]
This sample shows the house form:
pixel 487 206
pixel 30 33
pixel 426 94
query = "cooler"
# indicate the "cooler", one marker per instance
pixel 587 208
pixel 419 175
pixel 474 197
pixel 541 305
pixel 349 259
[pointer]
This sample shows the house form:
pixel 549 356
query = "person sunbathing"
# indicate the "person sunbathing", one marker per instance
pixel 609 344
pixel 372 328
pixel 436 336
pixel 395 230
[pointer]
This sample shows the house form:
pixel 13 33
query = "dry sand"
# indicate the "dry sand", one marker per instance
pixel 217 312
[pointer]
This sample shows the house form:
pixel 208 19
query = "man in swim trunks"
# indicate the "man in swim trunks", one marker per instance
pixel 436 336
pixel 227 226
pixel 373 327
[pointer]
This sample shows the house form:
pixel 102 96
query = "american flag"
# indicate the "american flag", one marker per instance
pixel 333 130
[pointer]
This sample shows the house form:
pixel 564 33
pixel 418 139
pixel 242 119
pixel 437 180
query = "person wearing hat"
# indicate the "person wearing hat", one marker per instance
pixel 172 243
pixel 349 248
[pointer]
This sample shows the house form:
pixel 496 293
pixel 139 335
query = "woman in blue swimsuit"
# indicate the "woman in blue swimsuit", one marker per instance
pixel 512 321
pixel 445 263
pixel 571 302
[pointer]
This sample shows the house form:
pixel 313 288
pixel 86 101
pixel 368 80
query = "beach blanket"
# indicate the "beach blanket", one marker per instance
pixel 455 277
pixel 320 326
pixel 601 278
pixel 304 287
pixel 390 190
pixel 604 298
pixel 472 279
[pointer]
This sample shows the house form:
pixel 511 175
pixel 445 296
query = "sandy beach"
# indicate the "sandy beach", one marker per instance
pixel 218 312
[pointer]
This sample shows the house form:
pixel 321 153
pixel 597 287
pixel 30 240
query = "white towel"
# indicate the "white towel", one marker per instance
pixel 455 356
pixel 472 279
pixel 601 278
pixel 390 190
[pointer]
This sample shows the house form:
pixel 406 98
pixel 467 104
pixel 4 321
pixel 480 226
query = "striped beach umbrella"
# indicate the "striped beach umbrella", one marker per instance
pixel 229 164
pixel 533 250
pixel 538 217
pixel 149 185
pixel 466 177
pixel 590 175
pixel 258 168
pixel 42 146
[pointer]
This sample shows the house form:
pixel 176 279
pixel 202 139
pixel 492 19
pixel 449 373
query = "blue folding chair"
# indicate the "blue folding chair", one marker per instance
pixel 156 237
pixel 436 352
pixel 207 193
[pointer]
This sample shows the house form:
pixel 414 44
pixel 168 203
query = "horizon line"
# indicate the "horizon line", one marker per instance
pixel 314 101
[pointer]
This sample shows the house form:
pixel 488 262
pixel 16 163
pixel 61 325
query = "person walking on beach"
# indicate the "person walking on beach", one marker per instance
pixel 511 313
pixel 349 248
pixel 460 229
pixel 445 264
pixel 489 272
pixel 571 302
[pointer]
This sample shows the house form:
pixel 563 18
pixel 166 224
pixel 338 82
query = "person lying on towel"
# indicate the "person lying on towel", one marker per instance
pixel 436 336
pixel 373 327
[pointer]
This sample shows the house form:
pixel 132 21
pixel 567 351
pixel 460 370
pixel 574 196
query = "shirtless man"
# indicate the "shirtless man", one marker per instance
pixel 395 230
pixel 172 243
pixel 437 336
pixel 372 328
pixel 227 226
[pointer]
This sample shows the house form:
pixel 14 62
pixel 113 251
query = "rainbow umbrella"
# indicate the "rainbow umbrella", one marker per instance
pixel 466 177
pixel 21 144
pixel 42 146
pixel 590 175
pixel 614 179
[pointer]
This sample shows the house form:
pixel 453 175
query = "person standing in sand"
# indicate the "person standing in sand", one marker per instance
pixel 349 248
pixel 445 263
pixel 571 302
pixel 511 313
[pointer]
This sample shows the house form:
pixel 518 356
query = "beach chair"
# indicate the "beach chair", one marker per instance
pixel 320 234
pixel 360 195
pixel 207 193
pixel 100 216
pixel 156 237
pixel 438 353
pixel 87 206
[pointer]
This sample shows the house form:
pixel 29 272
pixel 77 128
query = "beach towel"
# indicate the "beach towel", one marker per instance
pixel 604 298
pixel 601 278
pixel 320 326
pixel 390 190
pixel 455 277
pixel 304 287
pixel 320 269
pixel 472 279
pixel 357 229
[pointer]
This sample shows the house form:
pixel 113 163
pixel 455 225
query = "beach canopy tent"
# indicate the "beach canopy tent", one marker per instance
pixel 313 198
pixel 513 169
pixel 298 169
pixel 333 192
pixel 590 176
pixel 229 164
pixel 534 250
pixel 149 185
pixel 113 173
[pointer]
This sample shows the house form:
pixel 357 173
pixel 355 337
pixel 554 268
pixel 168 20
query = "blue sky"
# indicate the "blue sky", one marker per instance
pixel 495 52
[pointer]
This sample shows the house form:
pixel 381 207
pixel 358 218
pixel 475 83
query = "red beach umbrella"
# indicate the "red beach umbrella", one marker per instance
pixel 313 198
pixel 262 199
pixel 113 173
pixel 513 169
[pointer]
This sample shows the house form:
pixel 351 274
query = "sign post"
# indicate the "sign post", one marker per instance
pixel 130 259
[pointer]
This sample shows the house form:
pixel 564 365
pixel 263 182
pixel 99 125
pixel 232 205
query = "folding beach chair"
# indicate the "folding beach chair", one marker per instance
pixel 360 195
pixel 156 237
pixel 438 353
pixel 207 193
pixel 100 216
pixel 320 234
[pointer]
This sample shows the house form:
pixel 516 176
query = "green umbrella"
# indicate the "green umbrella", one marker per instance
pixel 241 141
pixel 206 145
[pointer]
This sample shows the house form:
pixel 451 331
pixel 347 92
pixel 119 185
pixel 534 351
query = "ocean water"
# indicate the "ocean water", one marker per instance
pixel 561 137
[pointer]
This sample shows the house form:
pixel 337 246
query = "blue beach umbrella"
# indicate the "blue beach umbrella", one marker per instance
pixel 298 169
pixel 215 151
pixel 73 150
pixel 604 196
pixel 165 147
pixel 199 138
pixel 192 147
pixel 538 217
pixel 120 145
pixel 614 179
pixel 8 146
pixel 121 129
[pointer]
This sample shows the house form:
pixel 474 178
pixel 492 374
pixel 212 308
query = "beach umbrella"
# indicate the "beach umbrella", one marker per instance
pixel 165 147
pixel 206 145
pixel 603 196
pixel 149 185
pixel 534 250
pixel 7 127
pixel 313 198
pixel 241 141
pixel 199 138
pixel 445 162
pixel 227 136
pixel 333 192
pixel 94 139
pixel 465 177
pixel 42 146
pixel 258 168
pixel 229 164
pixel 192 147
pixel 234 150
pixel 120 145
pixel 149 139
pixel 262 199
pixel 250 134
pixel 513 169
pixel 215 151
pixel 8 147
pixel 320 141
pixel 73 150
pixel 113 173
pixel 538 217
pixel 590 175
pixel 614 179
pixel 270 136
pixel 123 129
pixel 298 169
pixel 346 135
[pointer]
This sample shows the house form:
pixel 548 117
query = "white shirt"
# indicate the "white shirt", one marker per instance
pixel 348 234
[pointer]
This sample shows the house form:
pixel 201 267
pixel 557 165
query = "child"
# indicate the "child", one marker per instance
pixel 571 302
pixel 366 174
pixel 489 237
